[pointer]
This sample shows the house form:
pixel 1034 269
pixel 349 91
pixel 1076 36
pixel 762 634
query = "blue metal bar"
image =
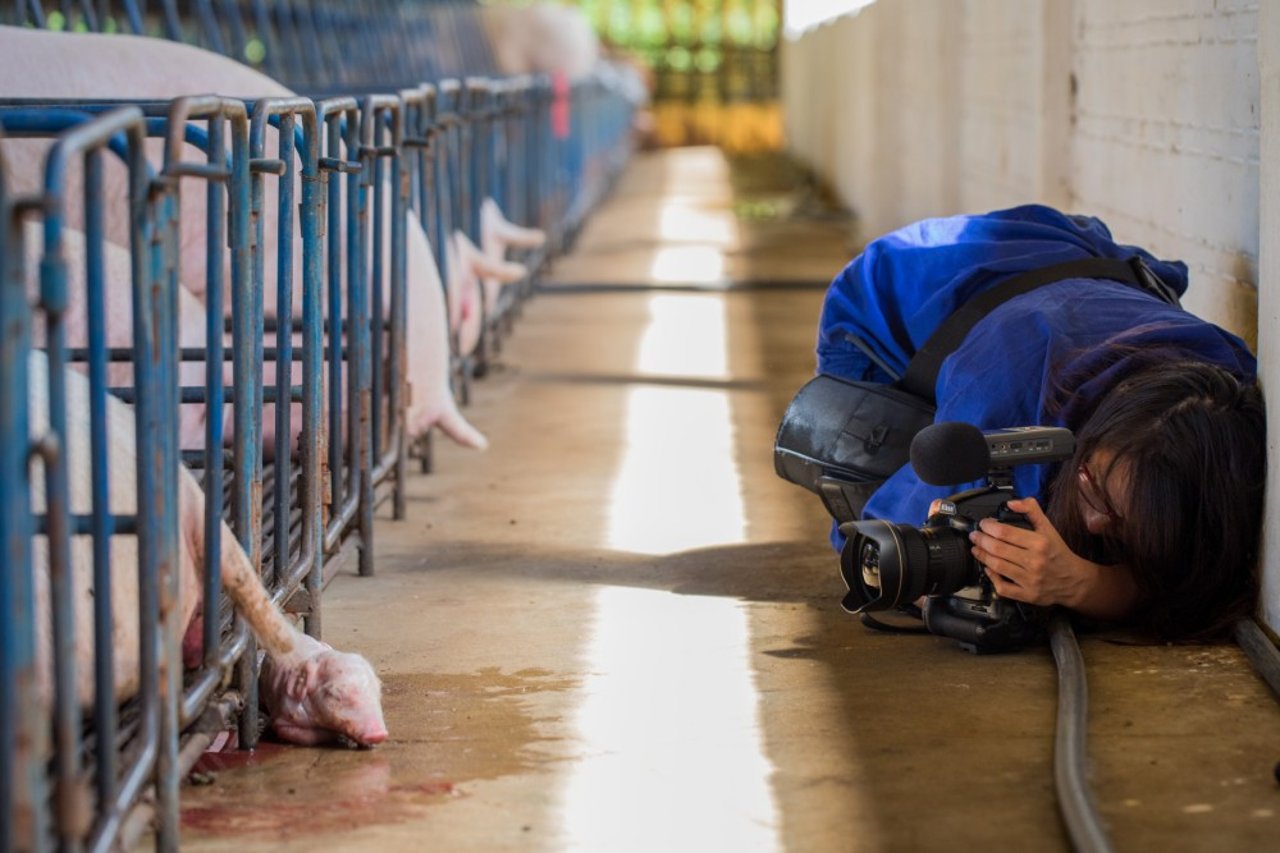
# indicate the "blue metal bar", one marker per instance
pixel 358 308
pixel 154 553
pixel 479 151
pixel 288 41
pixel 209 27
pixel 133 16
pixel 305 24
pixel 216 222
pixel 23 728
pixel 266 35
pixel 246 498
pixel 89 15
pixel 357 379
pixel 53 302
pixel 104 681
pixel 396 403
pixel 341 120
pixel 384 140
pixel 446 216
pixel 476 153
pixel 287 112
pixel 390 460
pixel 163 296
pixel 284 337
pixel 235 25
pixel 172 20
pixel 450 185
pixel 312 366
pixel 376 283
pixel 422 141
pixel 35 13
pixel 156 500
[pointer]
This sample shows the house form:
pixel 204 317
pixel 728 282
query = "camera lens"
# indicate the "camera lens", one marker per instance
pixel 869 560
pixel 886 565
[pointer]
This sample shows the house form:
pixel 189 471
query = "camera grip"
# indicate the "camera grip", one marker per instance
pixel 969 633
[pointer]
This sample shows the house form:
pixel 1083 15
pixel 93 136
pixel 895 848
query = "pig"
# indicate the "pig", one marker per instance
pixel 542 38
pixel 35 63
pixel 498 235
pixel 312 692
pixel 118 309
pixel 430 352
pixel 470 269
pixel 43 64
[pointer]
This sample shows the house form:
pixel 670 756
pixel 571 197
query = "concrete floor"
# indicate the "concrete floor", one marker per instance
pixel 617 629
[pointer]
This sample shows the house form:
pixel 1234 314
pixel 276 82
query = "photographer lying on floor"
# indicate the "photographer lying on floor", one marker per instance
pixel 1154 521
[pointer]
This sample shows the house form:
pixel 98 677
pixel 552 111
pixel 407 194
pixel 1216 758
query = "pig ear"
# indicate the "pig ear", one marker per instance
pixel 304 680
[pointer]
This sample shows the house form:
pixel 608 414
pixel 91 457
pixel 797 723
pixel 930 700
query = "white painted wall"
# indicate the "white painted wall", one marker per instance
pixel 1166 139
pixel 1269 295
pixel 1146 113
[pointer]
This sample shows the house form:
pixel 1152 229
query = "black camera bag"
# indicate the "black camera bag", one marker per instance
pixel 841 439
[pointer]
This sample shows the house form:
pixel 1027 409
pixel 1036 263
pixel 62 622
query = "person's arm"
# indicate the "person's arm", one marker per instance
pixel 1037 567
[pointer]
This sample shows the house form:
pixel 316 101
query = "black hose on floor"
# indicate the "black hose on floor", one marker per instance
pixel 1084 824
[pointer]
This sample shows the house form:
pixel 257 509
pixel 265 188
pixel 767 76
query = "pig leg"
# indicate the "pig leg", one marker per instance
pixel 431 399
pixel 497 236
pixel 474 267
pixel 465 301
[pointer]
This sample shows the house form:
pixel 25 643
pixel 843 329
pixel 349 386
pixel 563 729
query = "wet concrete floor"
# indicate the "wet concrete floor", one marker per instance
pixel 617 629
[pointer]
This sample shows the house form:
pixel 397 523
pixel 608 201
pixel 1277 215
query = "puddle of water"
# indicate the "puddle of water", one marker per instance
pixel 446 730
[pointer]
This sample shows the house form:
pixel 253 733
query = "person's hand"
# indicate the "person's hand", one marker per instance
pixel 1034 565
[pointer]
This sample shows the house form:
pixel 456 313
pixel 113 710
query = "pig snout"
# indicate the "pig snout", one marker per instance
pixel 328 695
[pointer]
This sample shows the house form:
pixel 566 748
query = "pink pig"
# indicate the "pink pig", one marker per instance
pixel 118 310
pixel 469 270
pixel 36 63
pixel 312 692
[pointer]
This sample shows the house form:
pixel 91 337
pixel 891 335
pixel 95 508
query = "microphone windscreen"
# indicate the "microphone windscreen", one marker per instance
pixel 949 453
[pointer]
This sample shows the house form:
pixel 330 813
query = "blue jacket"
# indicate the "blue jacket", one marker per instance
pixel 904 284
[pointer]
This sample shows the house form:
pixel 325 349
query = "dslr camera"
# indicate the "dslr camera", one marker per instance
pixel 888 566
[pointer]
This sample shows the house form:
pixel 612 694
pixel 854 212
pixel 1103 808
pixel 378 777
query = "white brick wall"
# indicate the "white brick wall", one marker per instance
pixel 1144 112
pixel 1000 124
pixel 1166 139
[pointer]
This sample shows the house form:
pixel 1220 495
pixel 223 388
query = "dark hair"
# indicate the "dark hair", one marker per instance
pixel 1191 438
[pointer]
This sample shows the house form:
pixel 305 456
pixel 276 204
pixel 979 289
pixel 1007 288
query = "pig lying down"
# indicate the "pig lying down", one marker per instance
pixel 313 693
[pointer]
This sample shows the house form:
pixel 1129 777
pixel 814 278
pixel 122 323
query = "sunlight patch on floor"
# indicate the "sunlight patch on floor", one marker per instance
pixel 696 264
pixel 672 751
pixel 678 486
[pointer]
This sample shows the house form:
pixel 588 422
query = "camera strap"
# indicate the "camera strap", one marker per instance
pixel 921 377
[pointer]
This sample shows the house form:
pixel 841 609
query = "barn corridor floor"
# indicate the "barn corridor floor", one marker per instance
pixel 617 629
